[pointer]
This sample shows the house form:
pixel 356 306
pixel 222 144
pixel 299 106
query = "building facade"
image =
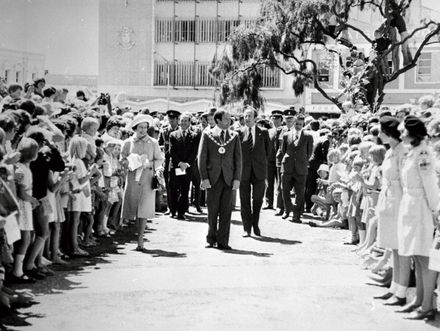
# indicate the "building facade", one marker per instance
pixel 20 66
pixel 159 52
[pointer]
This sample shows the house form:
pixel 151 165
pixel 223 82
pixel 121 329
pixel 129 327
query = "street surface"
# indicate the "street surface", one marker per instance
pixel 293 278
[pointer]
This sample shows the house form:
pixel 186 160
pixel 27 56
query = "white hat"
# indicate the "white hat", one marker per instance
pixel 324 167
pixel 141 119
pixel 112 141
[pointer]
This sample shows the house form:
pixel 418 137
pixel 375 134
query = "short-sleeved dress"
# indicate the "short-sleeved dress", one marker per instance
pixel 387 209
pixel 139 198
pixel 80 202
pixel 25 220
pixel 420 198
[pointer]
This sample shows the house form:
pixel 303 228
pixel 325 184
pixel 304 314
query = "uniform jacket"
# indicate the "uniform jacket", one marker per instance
pixel 256 158
pixel 274 139
pixel 164 139
pixel 212 164
pixel 296 154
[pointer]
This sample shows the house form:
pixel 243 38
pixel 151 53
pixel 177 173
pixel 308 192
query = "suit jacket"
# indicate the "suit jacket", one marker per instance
pixel 212 164
pixel 320 152
pixel 274 139
pixel 255 159
pixel 183 149
pixel 296 154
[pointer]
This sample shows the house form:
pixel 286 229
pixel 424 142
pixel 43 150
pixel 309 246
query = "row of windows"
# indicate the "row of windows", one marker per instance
pixel 201 30
pixel 197 74
pixel 10 77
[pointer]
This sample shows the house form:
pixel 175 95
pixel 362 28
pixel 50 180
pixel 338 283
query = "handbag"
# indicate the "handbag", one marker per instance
pixel 155 182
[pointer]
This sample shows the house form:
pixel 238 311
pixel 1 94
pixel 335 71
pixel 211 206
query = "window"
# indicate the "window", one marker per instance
pixel 18 76
pixel 8 76
pixel 195 73
pixel 424 66
pixel 164 30
pixel 204 30
pixel 185 31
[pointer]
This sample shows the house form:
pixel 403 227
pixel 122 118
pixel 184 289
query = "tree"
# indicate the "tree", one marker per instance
pixel 287 33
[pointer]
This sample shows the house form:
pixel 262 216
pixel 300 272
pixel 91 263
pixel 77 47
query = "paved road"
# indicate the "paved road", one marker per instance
pixel 293 278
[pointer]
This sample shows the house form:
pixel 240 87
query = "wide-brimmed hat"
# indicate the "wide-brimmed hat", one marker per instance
pixel 138 119
pixel 324 167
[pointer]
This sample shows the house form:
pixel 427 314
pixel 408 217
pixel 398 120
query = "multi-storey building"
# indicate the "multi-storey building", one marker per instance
pixel 159 52
pixel 20 66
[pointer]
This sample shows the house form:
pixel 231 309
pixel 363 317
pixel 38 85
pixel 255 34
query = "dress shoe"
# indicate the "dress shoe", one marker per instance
pixel 181 217
pixel 268 207
pixel 428 315
pixel 199 210
pixel 279 212
pixel 385 296
pixel 312 224
pixel 396 301
pixel 210 245
pixel 224 247
pixel 296 220
pixel 352 242
pixel 257 232
pixel 408 309
pixel 285 216
pixel 246 234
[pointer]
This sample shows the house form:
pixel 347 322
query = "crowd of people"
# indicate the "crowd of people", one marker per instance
pixel 74 170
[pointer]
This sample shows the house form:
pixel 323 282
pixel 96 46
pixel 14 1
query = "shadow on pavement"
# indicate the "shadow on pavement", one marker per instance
pixel 243 252
pixel 161 253
pixel 203 218
pixel 277 240
pixel 60 282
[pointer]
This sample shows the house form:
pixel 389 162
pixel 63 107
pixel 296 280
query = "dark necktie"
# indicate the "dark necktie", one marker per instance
pixel 250 140
pixel 184 136
pixel 222 137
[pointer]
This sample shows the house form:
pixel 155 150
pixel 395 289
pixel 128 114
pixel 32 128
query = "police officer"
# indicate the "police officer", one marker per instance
pixel 164 141
pixel 289 116
pixel 272 174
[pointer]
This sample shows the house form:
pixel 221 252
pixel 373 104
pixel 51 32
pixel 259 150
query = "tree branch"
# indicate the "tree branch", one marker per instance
pixel 362 33
pixel 416 55
pixel 404 40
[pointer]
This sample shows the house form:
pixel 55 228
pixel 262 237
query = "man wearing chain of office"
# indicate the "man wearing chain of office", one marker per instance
pixel 219 161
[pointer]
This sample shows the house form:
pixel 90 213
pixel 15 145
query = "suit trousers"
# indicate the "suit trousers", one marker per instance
pixel 250 210
pixel 219 201
pixel 179 192
pixel 311 187
pixel 166 175
pixel 279 187
pixel 271 177
pixel 298 182
pixel 195 192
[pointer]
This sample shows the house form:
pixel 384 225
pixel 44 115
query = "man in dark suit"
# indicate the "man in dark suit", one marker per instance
pixel 183 152
pixel 219 161
pixel 319 156
pixel 297 147
pixel 289 116
pixel 255 147
pixel 164 141
pixel 274 136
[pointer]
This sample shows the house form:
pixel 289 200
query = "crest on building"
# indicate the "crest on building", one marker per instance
pixel 126 38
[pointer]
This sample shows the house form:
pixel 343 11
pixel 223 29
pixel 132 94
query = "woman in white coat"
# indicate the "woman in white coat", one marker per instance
pixel 142 157
pixel 387 210
pixel 420 198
